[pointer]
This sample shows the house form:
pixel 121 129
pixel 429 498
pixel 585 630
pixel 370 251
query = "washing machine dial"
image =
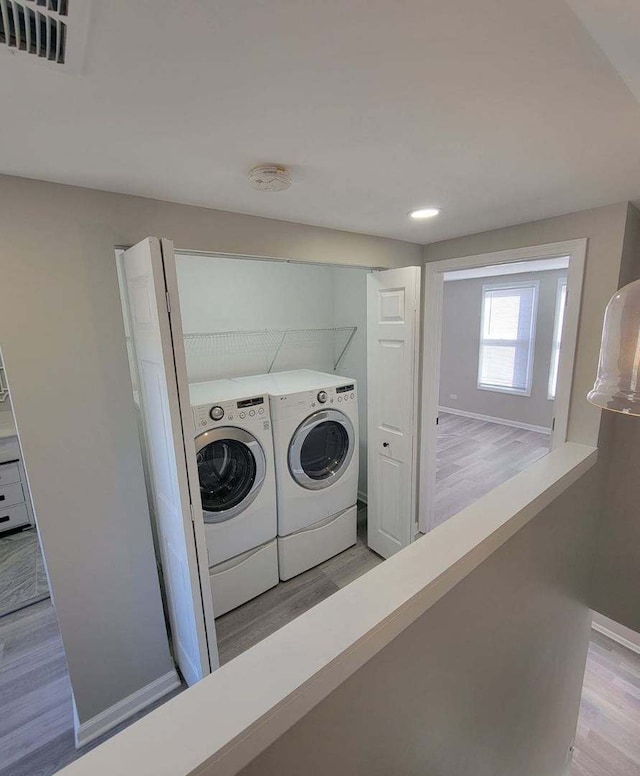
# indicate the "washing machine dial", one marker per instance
pixel 322 397
pixel 216 413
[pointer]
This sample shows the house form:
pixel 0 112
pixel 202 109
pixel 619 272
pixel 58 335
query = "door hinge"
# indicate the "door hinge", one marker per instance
pixel 553 424
pixel 168 301
pixel 437 421
pixel 193 515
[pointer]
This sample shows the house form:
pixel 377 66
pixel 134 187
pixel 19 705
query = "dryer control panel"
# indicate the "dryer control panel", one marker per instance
pixel 246 411
pixel 291 404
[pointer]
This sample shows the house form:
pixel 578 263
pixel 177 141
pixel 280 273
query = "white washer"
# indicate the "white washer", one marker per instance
pixel 236 468
pixel 315 434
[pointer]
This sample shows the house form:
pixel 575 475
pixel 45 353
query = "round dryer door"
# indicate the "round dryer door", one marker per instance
pixel 321 449
pixel 231 469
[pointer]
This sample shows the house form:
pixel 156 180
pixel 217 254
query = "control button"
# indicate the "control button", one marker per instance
pixel 261 411
pixel 252 413
pixel 322 397
pixel 339 398
pixel 353 396
pixel 203 422
pixel 216 413
pixel 230 417
pixel 243 415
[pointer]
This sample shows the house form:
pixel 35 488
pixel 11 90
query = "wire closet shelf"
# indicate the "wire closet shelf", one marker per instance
pixel 265 350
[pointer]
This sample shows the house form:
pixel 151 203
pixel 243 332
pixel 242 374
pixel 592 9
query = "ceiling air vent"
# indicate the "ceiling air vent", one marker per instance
pixel 51 31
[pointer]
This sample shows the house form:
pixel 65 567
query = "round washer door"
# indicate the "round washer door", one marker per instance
pixel 231 469
pixel 321 449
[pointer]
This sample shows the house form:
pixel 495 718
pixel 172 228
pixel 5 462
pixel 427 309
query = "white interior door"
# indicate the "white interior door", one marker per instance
pixel 164 398
pixel 392 384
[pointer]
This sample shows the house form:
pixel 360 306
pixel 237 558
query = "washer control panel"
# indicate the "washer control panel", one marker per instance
pixel 216 413
pixel 246 411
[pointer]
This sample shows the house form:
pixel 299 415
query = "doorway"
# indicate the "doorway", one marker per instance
pixel 497 376
pixel 240 342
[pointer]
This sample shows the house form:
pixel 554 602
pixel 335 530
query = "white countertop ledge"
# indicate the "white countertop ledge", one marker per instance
pixel 223 722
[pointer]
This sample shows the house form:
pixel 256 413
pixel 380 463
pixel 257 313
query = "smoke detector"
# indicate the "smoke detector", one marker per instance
pixel 270 177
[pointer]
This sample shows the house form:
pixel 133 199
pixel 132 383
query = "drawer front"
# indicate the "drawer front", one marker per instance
pixel 9 473
pixel 13 517
pixel 10 495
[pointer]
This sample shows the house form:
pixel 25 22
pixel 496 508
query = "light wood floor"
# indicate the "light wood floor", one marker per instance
pixel 608 736
pixel 23 580
pixel 474 457
pixel 36 716
pixel 36 726
pixel 36 722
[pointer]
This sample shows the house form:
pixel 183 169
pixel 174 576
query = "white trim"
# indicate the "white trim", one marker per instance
pixel 559 312
pixel 432 337
pixel 235 713
pixel 490 419
pixel 544 265
pixel 616 632
pixel 85 732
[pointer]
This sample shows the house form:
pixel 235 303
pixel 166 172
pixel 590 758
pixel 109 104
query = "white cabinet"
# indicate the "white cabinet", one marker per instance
pixel 9 472
pixel 15 503
pixel 13 517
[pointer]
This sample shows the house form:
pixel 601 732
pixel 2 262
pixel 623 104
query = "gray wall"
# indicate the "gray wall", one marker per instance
pixel 616 579
pixel 487 682
pixel 604 227
pixel 62 337
pixel 461 316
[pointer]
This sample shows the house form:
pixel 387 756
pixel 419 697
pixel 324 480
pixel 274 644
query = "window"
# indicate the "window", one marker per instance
pixel 561 302
pixel 507 336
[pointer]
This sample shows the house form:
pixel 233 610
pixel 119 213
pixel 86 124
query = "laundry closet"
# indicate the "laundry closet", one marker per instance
pixel 259 385
pixel 276 362
pixel 249 317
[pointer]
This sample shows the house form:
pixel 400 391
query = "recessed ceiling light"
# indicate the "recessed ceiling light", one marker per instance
pixel 425 212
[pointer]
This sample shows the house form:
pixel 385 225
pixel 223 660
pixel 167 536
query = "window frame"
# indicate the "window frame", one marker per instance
pixel 488 287
pixel 556 342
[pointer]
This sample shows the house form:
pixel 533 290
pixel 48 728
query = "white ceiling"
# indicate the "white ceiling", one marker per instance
pixel 497 111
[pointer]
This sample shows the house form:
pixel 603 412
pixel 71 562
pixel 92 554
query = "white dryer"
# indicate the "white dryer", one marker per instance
pixel 315 434
pixel 236 469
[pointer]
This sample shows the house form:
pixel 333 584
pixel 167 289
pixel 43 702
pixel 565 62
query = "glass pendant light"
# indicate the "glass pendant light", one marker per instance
pixel 617 385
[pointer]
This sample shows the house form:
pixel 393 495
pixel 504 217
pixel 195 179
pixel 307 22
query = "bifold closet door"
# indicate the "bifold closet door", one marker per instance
pixel 164 397
pixel 393 298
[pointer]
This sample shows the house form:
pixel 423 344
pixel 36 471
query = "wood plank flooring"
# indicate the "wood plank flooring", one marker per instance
pixel 36 715
pixel 23 580
pixel 608 736
pixel 474 456
pixel 36 726
pixel 36 722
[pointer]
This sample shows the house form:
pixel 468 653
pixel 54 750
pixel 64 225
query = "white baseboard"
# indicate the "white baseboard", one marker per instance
pixel 501 421
pixel 362 496
pixel 616 632
pixel 106 720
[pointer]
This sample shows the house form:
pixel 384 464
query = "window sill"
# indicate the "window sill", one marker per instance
pixel 510 391
pixel 226 720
